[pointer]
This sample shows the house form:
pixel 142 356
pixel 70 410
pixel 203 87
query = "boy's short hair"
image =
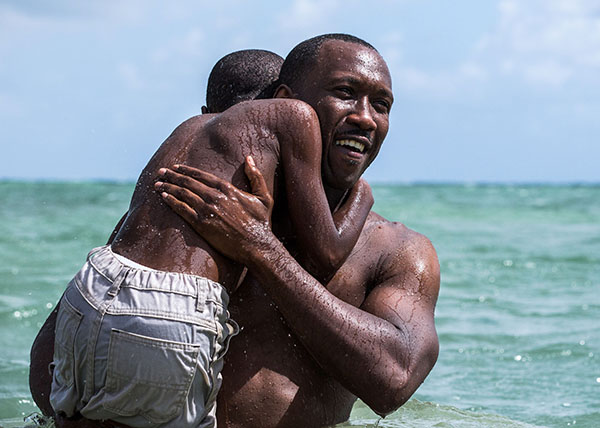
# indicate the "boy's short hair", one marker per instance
pixel 241 76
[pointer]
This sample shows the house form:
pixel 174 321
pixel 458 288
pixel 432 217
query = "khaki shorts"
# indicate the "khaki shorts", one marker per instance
pixel 139 346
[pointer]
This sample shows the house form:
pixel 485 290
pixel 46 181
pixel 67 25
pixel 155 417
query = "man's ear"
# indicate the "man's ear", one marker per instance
pixel 284 91
pixel 204 110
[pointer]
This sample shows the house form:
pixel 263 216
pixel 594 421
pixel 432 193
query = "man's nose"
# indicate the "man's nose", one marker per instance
pixel 362 116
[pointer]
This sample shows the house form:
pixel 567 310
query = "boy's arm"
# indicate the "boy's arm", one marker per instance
pixel 325 240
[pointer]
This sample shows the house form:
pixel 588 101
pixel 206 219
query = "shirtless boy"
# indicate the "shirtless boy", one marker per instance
pixel 239 76
pixel 142 328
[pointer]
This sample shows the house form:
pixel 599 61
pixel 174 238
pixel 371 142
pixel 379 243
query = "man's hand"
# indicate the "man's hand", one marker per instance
pixel 216 208
pixel 380 349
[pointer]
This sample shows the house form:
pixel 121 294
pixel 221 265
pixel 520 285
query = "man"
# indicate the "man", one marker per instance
pixel 142 328
pixel 239 76
pixel 307 349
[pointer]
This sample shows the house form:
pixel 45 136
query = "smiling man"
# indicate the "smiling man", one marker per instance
pixel 308 349
pixel 141 330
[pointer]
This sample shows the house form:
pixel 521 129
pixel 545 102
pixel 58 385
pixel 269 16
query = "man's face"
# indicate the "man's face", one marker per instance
pixel 350 88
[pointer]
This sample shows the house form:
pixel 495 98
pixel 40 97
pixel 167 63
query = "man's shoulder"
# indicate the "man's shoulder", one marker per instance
pixel 398 249
pixel 394 233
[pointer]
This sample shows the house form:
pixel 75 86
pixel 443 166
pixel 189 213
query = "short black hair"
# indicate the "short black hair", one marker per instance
pixel 305 55
pixel 241 76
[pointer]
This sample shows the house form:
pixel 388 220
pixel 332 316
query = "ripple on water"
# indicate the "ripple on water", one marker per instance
pixel 419 414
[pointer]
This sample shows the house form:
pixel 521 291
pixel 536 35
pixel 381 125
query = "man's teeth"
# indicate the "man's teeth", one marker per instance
pixel 351 143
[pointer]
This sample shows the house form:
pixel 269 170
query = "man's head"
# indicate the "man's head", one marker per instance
pixel 348 84
pixel 241 76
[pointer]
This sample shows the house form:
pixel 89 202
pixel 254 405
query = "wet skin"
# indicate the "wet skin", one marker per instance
pixel 283 137
pixel 269 131
pixel 306 350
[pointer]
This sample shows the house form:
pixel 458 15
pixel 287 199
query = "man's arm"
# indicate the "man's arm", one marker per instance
pixel 383 350
pixel 42 350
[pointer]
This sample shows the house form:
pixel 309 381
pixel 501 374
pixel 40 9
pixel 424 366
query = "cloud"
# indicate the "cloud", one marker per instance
pixel 129 75
pixel 308 14
pixel 542 43
pixel 191 43
pixel 439 83
pixel 547 42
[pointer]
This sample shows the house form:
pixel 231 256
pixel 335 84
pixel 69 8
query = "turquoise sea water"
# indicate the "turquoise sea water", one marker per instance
pixel 518 315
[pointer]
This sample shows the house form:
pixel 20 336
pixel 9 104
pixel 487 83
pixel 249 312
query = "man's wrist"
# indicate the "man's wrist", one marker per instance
pixel 264 252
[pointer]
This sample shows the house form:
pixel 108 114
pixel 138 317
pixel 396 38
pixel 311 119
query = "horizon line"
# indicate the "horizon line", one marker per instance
pixel 418 182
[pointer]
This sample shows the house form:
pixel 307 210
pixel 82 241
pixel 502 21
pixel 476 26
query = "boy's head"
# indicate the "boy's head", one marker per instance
pixel 241 76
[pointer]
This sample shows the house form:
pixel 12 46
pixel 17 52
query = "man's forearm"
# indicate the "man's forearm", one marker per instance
pixel 365 353
pixel 42 350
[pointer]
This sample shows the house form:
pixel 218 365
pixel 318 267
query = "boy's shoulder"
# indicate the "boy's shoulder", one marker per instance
pixel 277 111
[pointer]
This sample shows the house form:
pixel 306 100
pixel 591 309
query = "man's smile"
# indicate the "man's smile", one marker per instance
pixel 353 145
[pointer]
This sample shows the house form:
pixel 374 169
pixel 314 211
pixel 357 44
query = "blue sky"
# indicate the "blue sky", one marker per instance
pixel 486 90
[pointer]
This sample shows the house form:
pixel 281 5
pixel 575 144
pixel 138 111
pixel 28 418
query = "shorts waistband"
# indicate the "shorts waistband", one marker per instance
pixel 105 263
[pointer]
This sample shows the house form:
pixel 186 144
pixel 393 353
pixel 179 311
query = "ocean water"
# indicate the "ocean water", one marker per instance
pixel 518 315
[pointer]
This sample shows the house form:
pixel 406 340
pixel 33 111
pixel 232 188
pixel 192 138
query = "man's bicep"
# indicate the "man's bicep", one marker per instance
pixel 407 298
pixel 416 349
pixel 404 309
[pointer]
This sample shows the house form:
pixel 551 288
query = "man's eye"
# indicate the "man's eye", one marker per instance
pixel 344 90
pixel 382 106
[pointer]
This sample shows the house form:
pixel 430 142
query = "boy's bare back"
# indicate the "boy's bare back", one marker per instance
pixel 154 236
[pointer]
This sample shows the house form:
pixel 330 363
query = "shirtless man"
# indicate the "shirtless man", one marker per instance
pixel 307 349
pixel 142 328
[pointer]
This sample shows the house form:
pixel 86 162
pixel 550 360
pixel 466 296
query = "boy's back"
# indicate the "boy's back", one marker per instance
pixel 154 236
pixel 144 345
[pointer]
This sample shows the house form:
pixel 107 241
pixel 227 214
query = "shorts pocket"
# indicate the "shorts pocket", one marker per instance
pixel 67 323
pixel 148 376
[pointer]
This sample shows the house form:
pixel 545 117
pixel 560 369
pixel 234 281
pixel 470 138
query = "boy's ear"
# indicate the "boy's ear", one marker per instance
pixel 204 110
pixel 283 91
